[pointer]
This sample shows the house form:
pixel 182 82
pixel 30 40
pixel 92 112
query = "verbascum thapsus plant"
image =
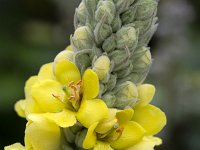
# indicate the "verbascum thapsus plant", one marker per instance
pixel 92 95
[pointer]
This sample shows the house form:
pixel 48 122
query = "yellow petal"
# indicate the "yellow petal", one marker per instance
pixel 46 72
pixel 124 116
pixel 49 95
pixel 147 143
pixel 151 118
pixel 146 93
pixel 66 71
pixel 16 146
pixel 20 108
pixel 90 84
pixel 32 107
pixel 131 134
pixel 42 134
pixel 102 146
pixel 91 111
pixel 90 139
pixel 29 83
pixel 106 124
pixel 64 119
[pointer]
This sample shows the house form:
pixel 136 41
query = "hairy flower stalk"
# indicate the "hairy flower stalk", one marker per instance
pixel 92 96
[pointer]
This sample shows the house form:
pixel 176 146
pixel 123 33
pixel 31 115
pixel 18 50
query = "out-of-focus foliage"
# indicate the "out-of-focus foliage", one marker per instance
pixel 32 32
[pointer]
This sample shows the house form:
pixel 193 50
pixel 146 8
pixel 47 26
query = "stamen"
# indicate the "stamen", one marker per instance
pixel 120 130
pixel 71 97
pixel 56 96
pixel 73 87
pixel 71 83
pixel 79 82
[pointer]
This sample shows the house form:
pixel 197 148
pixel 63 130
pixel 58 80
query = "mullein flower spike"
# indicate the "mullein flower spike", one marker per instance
pixel 92 96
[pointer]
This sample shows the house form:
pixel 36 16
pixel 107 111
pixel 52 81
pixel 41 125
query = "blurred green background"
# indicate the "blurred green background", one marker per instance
pixel 32 32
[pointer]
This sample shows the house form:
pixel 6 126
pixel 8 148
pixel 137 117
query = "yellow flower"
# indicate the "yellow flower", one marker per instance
pixel 123 133
pixel 59 93
pixel 130 129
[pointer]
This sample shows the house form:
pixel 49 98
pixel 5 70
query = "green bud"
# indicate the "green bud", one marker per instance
pixel 144 61
pixel 82 60
pixel 96 52
pixel 106 10
pixel 69 135
pixel 109 44
pixel 102 89
pixel 102 31
pixel 138 53
pixel 146 37
pixel 102 67
pixel 126 37
pixel 82 39
pixel 111 82
pixel 80 136
pixel 109 98
pixel 129 15
pixel 143 26
pixel 117 23
pixel 126 95
pixel 81 13
pixel 146 9
pixel 120 58
pixel 90 6
pixel 123 73
pixel 122 5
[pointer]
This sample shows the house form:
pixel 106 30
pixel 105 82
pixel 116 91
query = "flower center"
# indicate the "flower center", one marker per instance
pixel 75 94
pixel 112 135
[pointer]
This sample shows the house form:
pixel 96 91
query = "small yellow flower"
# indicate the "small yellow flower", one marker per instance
pixel 61 95
pixel 130 129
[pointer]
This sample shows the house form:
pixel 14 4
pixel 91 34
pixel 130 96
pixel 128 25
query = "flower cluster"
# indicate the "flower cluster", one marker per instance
pixel 63 110
pixel 92 95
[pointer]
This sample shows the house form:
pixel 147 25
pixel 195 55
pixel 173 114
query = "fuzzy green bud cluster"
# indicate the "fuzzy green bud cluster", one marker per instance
pixel 111 37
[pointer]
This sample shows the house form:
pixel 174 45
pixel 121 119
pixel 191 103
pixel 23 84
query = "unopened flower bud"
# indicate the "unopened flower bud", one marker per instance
pixel 117 23
pixel 109 44
pixel 144 61
pixel 126 37
pixel 126 95
pixel 109 98
pixel 111 82
pixel 102 66
pixel 64 55
pixel 69 48
pixel 80 136
pixel 123 5
pixel 143 26
pixel 146 9
pixel 105 9
pixel 129 15
pixel 119 57
pixel 83 38
pixel 82 13
pixel 101 32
